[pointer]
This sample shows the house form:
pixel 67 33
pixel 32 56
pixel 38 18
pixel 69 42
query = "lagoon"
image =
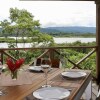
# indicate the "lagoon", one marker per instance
pixel 56 40
pixel 71 40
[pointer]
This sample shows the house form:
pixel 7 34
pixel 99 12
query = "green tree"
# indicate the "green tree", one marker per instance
pixel 21 23
pixel 5 28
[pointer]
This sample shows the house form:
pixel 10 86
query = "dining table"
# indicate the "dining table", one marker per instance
pixel 29 81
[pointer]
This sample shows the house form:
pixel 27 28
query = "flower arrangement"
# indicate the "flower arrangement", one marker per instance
pixel 13 66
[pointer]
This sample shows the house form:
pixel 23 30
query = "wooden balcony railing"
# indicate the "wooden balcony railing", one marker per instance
pixel 51 51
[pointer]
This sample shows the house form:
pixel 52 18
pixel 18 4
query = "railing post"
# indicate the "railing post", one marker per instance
pixel 51 52
pixel 1 56
pixel 98 39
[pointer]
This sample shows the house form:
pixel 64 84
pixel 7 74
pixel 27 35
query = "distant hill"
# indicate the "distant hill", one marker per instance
pixel 74 29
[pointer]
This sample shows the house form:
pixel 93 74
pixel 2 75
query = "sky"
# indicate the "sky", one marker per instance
pixel 55 13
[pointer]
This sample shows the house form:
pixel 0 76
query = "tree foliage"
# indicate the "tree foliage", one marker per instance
pixel 22 23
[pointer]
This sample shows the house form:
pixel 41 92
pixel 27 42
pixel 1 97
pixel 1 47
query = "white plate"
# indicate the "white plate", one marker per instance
pixel 74 74
pixel 35 68
pixel 51 93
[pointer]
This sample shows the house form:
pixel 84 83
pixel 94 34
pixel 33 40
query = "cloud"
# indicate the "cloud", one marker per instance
pixel 55 13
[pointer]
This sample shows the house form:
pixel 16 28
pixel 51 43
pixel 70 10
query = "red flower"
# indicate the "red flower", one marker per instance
pixel 14 65
pixel 19 62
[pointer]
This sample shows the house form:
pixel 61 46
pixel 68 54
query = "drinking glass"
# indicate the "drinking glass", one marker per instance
pixel 63 60
pixel 45 67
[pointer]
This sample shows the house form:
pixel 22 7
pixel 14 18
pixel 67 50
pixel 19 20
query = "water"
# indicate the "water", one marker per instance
pixel 57 40
pixel 20 45
pixel 71 40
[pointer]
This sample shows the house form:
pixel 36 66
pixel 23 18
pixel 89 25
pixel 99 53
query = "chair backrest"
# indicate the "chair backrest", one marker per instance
pixel 55 63
pixel 46 61
pixel 38 61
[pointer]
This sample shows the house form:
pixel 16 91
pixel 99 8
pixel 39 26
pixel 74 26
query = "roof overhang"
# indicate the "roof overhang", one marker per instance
pixel 58 0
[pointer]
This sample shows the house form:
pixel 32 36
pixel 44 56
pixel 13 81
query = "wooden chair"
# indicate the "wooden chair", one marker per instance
pixel 38 61
pixel 55 63
pixel 46 61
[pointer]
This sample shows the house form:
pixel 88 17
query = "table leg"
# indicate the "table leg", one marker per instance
pixel 88 91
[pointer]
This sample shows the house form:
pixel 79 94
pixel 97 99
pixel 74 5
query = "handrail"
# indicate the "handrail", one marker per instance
pixel 90 53
pixel 59 47
pixel 49 50
pixel 9 55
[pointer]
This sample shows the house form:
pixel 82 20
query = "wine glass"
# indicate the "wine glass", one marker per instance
pixel 45 67
pixel 63 60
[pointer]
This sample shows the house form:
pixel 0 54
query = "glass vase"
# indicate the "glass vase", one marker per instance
pixel 14 75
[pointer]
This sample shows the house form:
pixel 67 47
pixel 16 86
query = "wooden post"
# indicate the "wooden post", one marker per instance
pixel 98 39
pixel 1 56
pixel 51 52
